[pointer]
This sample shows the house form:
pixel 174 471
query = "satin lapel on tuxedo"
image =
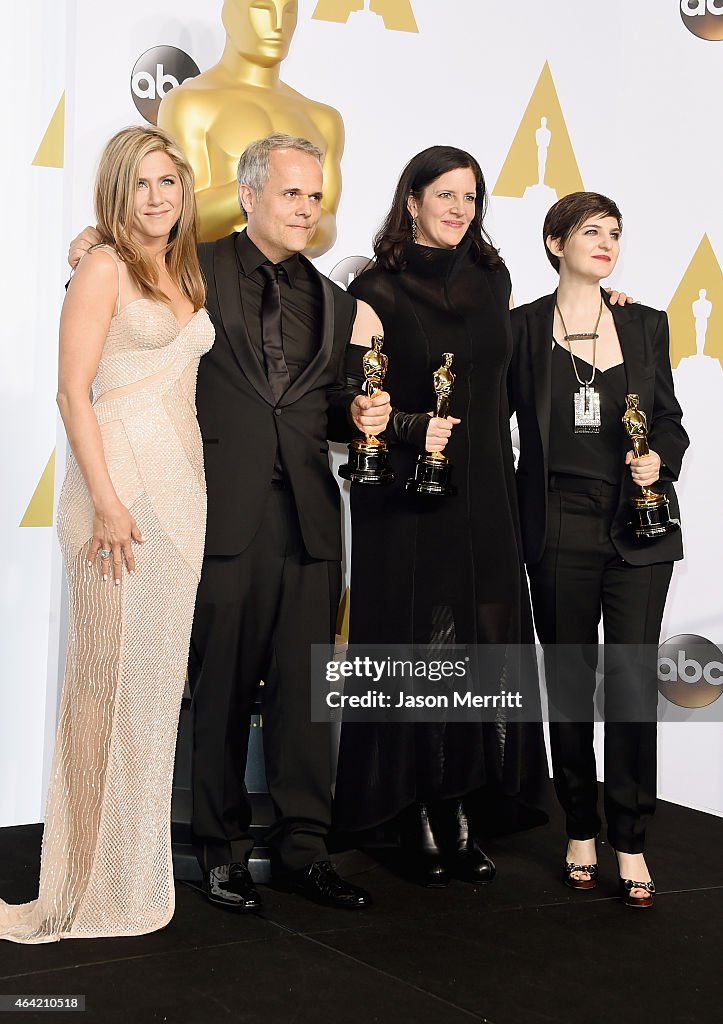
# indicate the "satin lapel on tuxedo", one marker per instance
pixel 541 365
pixel 226 272
pixel 309 375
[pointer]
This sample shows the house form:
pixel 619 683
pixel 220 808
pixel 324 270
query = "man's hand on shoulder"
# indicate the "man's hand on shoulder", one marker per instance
pixel 619 298
pixel 82 244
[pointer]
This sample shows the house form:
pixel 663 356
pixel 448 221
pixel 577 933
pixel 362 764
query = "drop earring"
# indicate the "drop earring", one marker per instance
pixel 414 230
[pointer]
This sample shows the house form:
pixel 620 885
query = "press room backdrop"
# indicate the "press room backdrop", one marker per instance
pixel 615 97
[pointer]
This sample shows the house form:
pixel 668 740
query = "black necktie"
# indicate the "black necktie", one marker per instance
pixel 277 372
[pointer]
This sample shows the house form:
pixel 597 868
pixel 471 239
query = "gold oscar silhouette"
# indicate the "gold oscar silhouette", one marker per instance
pixel 216 115
pixel 541 159
pixel 51 151
pixel 687 332
pixel 368 455
pixel 396 14
pixel 651 511
pixel 431 474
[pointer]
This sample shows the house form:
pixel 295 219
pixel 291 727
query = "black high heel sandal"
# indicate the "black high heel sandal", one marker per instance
pixel 580 883
pixel 627 885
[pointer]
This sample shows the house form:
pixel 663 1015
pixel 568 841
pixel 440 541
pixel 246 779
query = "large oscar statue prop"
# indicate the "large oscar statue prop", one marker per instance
pixel 650 512
pixel 215 116
pixel 431 474
pixel 368 455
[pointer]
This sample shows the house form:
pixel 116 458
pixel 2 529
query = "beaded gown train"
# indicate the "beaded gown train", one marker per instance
pixel 106 861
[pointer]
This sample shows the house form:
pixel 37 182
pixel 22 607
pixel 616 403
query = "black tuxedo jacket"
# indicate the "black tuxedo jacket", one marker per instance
pixel 241 424
pixel 643 334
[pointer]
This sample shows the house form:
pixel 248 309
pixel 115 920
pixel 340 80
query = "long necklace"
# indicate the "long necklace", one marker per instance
pixel 586 401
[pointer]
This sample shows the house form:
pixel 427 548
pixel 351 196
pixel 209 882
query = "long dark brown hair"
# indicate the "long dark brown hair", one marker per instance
pixel 421 171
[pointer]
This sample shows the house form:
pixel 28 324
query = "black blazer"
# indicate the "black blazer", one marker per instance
pixel 643 334
pixel 240 422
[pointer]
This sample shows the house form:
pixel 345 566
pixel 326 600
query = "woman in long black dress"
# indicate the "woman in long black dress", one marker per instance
pixel 451 566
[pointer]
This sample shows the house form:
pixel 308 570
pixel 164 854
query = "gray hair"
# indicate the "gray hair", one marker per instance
pixel 253 166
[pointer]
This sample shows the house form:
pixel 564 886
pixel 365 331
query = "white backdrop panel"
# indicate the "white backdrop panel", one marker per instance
pixel 635 89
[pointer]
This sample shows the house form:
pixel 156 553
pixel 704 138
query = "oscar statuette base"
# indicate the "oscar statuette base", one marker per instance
pixel 650 517
pixel 368 463
pixel 431 476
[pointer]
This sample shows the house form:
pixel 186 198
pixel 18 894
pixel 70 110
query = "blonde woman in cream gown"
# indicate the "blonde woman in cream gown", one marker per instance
pixel 135 488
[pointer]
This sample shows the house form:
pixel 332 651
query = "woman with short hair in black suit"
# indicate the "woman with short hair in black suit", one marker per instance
pixel 575 359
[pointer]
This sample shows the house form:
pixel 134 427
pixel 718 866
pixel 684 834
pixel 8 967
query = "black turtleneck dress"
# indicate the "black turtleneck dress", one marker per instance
pixel 440 570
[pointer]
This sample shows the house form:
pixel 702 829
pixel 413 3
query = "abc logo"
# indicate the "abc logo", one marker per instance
pixel 347 269
pixel 155 73
pixel 690 671
pixel 704 18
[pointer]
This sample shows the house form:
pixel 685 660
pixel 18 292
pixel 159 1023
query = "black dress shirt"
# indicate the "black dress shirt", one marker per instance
pixel 300 312
pixel 300 305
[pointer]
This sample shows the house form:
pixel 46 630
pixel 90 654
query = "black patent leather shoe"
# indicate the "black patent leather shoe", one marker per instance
pixel 430 872
pixel 472 864
pixel 422 859
pixel 467 860
pixel 320 883
pixel 232 886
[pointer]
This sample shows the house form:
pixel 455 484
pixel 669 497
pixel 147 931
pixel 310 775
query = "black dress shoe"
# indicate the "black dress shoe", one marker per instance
pixel 472 864
pixel 468 861
pixel 232 886
pixel 422 859
pixel 319 882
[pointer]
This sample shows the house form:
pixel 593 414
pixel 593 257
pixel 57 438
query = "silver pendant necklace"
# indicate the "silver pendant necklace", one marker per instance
pixel 586 401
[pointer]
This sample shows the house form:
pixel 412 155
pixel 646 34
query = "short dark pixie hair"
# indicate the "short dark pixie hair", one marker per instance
pixel 566 216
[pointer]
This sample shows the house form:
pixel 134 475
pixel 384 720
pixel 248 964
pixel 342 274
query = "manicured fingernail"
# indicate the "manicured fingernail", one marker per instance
pixel 131 572
pixel 105 577
pixel 117 583
pixel 89 563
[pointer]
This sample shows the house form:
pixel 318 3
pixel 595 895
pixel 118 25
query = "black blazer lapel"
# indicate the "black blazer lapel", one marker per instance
pixel 226 273
pixel 638 359
pixel 541 366
pixel 318 364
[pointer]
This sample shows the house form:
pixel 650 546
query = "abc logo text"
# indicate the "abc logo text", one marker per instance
pixel 704 18
pixel 690 671
pixel 155 73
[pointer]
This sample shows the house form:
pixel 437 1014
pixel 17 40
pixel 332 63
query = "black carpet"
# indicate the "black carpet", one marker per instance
pixel 523 950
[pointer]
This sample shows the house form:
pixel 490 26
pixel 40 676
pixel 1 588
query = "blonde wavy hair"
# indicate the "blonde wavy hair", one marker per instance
pixel 115 190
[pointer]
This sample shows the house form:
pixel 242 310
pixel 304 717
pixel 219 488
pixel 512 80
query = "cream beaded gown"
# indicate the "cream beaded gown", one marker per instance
pixel 106 860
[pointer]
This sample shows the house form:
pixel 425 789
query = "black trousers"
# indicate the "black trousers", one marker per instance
pixel 580 577
pixel 257 613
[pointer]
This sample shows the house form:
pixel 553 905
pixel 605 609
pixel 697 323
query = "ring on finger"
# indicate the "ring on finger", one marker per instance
pixel 104 553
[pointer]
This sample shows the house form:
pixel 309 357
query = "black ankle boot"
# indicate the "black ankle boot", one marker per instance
pixel 422 858
pixel 467 860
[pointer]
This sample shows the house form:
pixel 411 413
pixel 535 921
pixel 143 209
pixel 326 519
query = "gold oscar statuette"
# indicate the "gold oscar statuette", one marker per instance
pixel 368 455
pixel 431 474
pixel 650 512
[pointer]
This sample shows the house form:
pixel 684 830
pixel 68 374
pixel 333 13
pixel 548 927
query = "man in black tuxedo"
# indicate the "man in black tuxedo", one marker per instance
pixel 271 392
